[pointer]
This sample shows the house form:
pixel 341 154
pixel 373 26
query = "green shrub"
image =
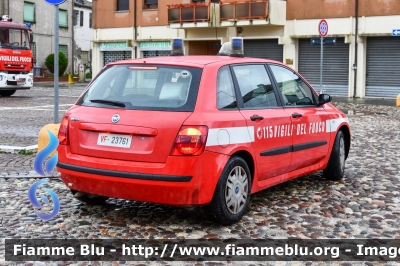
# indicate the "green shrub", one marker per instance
pixel 62 63
pixel 88 75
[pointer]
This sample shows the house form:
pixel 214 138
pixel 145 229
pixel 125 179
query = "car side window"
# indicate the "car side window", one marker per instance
pixel 225 91
pixel 294 90
pixel 255 86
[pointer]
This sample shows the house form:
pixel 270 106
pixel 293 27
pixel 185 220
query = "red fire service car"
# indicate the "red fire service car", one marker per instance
pixel 198 130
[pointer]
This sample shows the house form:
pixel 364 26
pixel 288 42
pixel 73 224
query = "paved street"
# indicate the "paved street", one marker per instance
pixel 24 114
pixel 364 205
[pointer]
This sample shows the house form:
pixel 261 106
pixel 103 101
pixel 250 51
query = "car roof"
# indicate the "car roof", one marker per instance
pixel 192 60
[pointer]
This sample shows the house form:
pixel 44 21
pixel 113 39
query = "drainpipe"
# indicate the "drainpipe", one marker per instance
pixel 73 39
pixel 135 26
pixel 355 50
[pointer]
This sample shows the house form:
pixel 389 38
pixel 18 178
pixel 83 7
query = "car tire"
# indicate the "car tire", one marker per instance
pixel 89 198
pixel 232 194
pixel 336 164
pixel 7 93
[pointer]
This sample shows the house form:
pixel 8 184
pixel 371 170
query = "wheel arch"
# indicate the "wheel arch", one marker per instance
pixel 245 155
pixel 347 138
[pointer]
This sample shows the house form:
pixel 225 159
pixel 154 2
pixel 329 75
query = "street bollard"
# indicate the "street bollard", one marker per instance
pixel 43 138
pixel 81 73
pixel 70 79
pixel 398 101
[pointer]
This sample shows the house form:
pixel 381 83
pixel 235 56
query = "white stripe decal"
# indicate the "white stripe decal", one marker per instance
pixel 332 125
pixel 230 135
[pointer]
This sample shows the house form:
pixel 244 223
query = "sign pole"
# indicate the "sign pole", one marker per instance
pixel 322 65
pixel 56 48
pixel 56 63
pixel 323 32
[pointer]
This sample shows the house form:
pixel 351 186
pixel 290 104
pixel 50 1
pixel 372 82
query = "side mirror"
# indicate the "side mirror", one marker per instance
pixel 323 99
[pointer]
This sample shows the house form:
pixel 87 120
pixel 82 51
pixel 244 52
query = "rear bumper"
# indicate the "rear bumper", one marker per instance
pixel 182 180
pixel 82 169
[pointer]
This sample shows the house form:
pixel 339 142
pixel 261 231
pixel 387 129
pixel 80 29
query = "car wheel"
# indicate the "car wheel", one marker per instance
pixel 89 198
pixel 336 164
pixel 232 194
pixel 7 93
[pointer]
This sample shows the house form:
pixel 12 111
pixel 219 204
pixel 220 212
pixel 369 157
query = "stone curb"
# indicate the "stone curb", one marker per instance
pixel 17 149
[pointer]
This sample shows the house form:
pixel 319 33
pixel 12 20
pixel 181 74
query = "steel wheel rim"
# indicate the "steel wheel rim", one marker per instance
pixel 236 190
pixel 341 153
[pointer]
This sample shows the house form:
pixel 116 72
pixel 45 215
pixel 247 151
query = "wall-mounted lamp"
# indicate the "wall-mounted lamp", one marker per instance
pixel 239 30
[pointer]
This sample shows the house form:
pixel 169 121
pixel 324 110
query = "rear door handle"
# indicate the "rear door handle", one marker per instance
pixel 255 117
pixel 296 115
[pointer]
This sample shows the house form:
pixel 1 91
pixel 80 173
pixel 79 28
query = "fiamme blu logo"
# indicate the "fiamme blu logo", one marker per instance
pixel 35 202
pixel 44 167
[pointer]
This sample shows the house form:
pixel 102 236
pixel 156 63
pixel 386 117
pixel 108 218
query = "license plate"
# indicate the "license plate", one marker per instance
pixel 114 140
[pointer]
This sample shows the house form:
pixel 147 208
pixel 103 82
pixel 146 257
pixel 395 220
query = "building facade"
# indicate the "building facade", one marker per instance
pixel 363 61
pixel 125 29
pixel 366 57
pixel 82 35
pixel 41 17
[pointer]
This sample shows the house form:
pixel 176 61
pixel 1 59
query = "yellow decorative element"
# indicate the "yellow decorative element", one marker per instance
pixel 43 138
pixel 398 101
pixel 70 79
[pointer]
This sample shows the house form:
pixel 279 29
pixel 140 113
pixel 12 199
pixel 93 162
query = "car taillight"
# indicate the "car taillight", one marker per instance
pixel 63 132
pixel 191 140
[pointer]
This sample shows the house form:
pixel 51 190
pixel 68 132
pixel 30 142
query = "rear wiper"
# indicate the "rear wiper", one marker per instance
pixel 115 103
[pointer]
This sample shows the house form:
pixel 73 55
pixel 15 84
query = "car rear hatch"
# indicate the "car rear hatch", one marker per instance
pixel 132 112
pixel 138 135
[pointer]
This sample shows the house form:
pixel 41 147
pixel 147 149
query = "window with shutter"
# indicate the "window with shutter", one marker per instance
pixel 150 4
pixel 63 49
pixel 122 5
pixel 85 57
pixel 63 21
pixel 81 19
pixel 29 12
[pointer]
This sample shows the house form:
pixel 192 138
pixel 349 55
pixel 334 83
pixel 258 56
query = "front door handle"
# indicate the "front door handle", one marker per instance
pixel 255 117
pixel 296 115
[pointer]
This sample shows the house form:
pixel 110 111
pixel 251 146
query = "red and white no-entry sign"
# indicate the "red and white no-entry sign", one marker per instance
pixel 323 28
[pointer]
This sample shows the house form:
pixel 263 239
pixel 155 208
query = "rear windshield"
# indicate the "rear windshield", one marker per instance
pixel 144 87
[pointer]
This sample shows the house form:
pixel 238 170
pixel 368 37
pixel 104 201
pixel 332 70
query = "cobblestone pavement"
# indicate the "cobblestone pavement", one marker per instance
pixel 365 204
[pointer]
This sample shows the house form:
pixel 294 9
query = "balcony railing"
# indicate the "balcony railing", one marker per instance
pixel 188 13
pixel 244 10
